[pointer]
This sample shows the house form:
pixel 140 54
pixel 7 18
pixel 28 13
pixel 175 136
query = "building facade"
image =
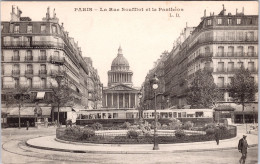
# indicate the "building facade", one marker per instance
pixel 120 93
pixel 148 98
pixel 33 53
pixel 221 44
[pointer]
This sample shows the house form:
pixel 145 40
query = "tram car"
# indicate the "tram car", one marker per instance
pixel 120 116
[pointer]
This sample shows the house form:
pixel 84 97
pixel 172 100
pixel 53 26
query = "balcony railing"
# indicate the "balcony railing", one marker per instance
pixel 57 73
pixel 15 58
pixel 233 70
pixel 47 44
pixel 15 43
pixel 42 58
pixel 56 59
pixel 29 73
pixel 28 58
pixel 39 86
pixel 236 54
pixel 42 73
pixel 15 72
pixel 223 85
pixel 8 86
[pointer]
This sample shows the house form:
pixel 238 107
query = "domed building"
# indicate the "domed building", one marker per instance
pixel 120 93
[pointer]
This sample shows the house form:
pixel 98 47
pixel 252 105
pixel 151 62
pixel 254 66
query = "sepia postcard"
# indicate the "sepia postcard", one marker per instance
pixel 124 82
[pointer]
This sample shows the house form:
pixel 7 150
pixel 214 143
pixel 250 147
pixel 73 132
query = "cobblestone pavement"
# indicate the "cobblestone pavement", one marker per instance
pixel 14 150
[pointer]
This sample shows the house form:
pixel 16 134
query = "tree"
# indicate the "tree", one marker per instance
pixel 243 88
pixel 61 93
pixel 18 97
pixel 203 92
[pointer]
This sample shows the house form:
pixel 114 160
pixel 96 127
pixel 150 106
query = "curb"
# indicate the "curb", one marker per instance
pixel 129 152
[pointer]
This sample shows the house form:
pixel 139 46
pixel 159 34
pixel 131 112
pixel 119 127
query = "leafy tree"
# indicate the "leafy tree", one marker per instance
pixel 61 93
pixel 203 92
pixel 18 98
pixel 243 88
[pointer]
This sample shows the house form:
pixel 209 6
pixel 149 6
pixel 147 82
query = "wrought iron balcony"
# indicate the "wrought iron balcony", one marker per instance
pixel 28 58
pixel 57 60
pixel 15 44
pixel 235 54
pixel 8 86
pixel 16 72
pixel 42 58
pixel 42 73
pixel 223 85
pixel 57 73
pixel 15 58
pixel 29 73
pixel 47 44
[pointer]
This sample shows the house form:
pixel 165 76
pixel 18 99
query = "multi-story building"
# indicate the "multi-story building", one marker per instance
pixel 120 93
pixel 94 86
pixel 220 44
pixel 33 52
pixel 148 92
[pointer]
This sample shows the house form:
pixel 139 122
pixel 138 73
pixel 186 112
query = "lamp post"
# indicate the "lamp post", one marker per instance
pixel 140 108
pixel 154 84
pixel 168 100
pixel 254 114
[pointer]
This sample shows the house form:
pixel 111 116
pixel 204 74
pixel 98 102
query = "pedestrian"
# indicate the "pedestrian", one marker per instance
pixel 27 125
pixel 217 135
pixel 242 148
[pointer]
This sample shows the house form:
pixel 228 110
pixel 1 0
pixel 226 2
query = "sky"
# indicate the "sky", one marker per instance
pixel 143 35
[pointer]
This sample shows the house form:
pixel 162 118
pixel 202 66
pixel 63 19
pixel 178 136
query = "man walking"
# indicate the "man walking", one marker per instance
pixel 242 147
pixel 217 135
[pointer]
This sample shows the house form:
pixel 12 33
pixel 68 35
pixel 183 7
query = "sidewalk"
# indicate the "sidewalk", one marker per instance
pixel 51 143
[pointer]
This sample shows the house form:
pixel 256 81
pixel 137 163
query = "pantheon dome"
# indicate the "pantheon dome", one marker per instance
pixel 120 73
pixel 120 62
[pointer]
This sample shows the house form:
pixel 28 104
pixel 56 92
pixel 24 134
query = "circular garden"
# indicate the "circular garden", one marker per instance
pixel 143 133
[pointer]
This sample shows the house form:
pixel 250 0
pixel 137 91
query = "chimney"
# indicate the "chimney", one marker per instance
pixel 186 24
pixel 236 11
pixel 243 10
pixel 48 13
pixel 224 10
pixel 205 13
pixel 13 8
pixel 54 14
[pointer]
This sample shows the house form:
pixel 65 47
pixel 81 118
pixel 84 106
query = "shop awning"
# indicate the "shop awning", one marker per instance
pixel 27 112
pixel 248 108
pixel 224 108
pixel 76 109
pixel 63 109
pixel 40 95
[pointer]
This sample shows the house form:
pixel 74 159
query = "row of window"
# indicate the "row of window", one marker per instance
pixel 29 29
pixel 42 84
pixel 230 51
pixel 29 55
pixel 220 21
pixel 221 81
pixel 230 66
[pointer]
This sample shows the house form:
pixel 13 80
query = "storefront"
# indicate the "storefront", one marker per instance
pixel 224 112
pixel 26 114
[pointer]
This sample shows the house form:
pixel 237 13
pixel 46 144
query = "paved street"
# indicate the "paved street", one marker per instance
pixel 15 151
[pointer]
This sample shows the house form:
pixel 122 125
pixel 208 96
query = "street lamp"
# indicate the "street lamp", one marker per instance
pixel 154 84
pixel 168 100
pixel 254 114
pixel 140 107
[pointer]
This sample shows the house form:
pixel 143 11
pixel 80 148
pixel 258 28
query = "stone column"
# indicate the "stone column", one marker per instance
pixel 123 100
pixel 129 100
pixel 135 100
pixel 106 99
pixel 117 100
pixel 112 99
